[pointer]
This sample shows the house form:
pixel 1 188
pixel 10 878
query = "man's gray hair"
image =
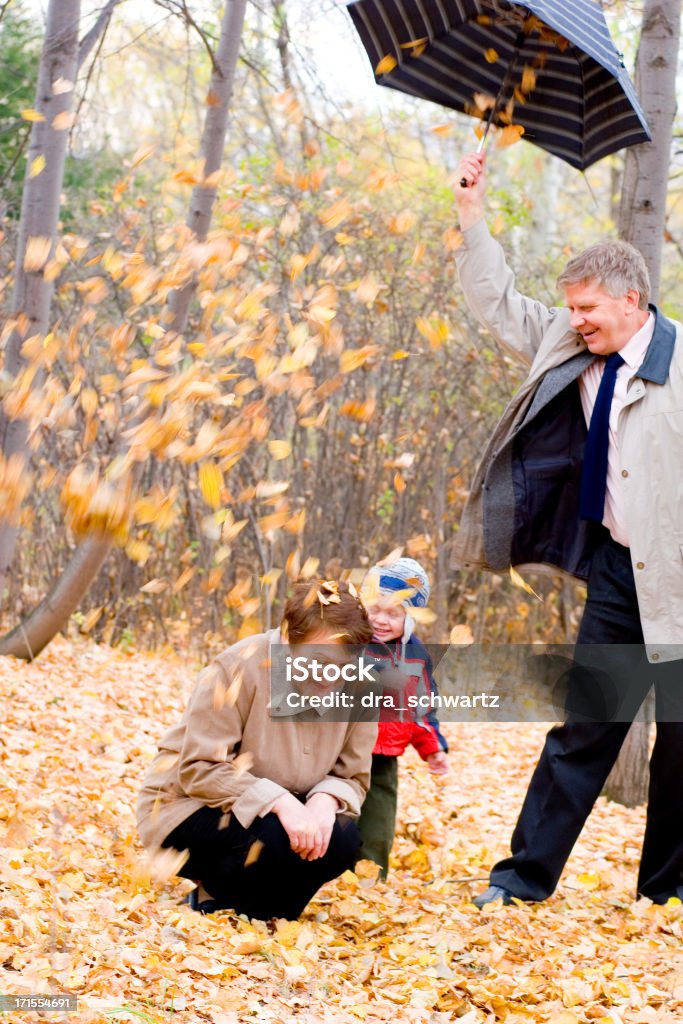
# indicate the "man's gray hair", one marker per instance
pixel 615 266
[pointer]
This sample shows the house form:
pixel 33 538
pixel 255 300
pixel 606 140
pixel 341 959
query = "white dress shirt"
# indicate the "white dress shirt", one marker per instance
pixel 632 353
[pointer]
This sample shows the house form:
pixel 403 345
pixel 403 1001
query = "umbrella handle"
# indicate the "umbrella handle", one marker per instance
pixel 519 42
pixel 482 140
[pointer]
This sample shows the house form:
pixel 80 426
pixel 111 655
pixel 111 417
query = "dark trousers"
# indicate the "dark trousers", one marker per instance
pixel 276 882
pixel 578 755
pixel 377 821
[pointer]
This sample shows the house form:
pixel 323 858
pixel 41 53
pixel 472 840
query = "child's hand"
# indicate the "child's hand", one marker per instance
pixel 437 763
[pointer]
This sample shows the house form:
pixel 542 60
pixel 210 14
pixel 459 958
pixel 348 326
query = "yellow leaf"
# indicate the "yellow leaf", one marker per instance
pixel 399 483
pixel 154 586
pixel 442 129
pixel 279 449
pixel 352 358
pixel 91 619
pixel 368 289
pixel 37 252
pixel 461 635
pixel 32 115
pixel 412 43
pixel 484 101
pixel 491 55
pixel 425 616
pixel 60 86
pixel 361 411
pixel 400 353
pixel 335 214
pixel 434 330
pixel 519 582
pixel 386 65
pixel 528 79
pixel 589 880
pixel 36 166
pixel 183 579
pixel 309 568
pixel 63 121
pixel 509 135
pixel 253 853
pixel 210 484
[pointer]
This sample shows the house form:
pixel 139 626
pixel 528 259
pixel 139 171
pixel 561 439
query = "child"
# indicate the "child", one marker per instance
pixel 390 591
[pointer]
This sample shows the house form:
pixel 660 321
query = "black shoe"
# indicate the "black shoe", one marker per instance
pixel 661 898
pixel 203 907
pixel 493 893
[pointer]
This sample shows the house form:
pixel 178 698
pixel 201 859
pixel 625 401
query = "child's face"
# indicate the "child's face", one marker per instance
pixel 387 618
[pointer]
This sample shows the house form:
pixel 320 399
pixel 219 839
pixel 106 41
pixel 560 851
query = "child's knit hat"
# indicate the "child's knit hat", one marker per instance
pixel 404 574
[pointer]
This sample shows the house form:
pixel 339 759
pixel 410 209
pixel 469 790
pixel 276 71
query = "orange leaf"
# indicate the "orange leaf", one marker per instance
pixel 386 65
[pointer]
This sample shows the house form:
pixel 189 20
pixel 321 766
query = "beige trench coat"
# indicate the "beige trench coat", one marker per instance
pixel 650 433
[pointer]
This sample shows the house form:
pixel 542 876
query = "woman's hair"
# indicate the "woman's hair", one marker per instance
pixel 325 604
pixel 615 265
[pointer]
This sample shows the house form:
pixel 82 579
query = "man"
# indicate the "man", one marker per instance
pixel 602 502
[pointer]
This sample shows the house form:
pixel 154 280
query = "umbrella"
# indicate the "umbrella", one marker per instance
pixel 547 66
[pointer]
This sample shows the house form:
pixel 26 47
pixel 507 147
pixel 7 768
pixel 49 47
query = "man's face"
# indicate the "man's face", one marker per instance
pixel 604 323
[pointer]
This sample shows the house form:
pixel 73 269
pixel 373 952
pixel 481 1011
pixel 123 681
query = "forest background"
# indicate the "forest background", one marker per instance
pixel 332 394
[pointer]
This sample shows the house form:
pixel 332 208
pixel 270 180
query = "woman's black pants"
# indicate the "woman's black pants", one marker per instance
pixel 254 870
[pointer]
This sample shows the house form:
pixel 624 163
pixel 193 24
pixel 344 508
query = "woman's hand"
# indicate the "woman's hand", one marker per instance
pixel 309 826
pixel 323 810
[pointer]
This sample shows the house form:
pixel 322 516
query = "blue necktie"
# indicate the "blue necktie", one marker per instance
pixel 594 473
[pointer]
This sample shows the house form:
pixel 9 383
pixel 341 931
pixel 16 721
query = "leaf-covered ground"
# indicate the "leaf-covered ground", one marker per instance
pixel 79 913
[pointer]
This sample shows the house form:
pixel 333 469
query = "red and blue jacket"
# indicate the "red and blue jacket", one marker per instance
pixel 401 726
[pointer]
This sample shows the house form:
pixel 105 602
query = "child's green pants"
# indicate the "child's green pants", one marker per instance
pixel 378 814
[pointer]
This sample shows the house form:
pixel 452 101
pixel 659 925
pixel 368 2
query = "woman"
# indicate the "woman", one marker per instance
pixel 264 806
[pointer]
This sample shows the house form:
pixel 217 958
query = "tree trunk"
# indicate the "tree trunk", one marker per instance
pixel 54 611
pixel 642 217
pixel 642 210
pixel 29 638
pixel 38 226
pixel 213 143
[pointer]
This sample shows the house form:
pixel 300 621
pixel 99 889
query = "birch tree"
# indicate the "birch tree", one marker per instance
pixel 34 289
pixel 642 216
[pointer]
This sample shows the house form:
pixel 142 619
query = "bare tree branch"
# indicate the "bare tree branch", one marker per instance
pixel 96 32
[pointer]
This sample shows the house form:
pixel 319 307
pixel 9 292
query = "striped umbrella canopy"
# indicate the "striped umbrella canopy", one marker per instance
pixel 549 66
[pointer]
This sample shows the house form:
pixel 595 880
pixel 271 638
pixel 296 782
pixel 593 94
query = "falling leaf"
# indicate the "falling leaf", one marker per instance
pixel 280 449
pixel 62 121
pixel 509 135
pixel 425 616
pixel 91 619
pixel 183 579
pixel 352 358
pixel 519 582
pixel 32 115
pixel 484 101
pixel 36 166
pixel 386 65
pixel 37 252
pixel 333 216
pixel 399 483
pixel 253 853
pixel 528 79
pixel 155 586
pixel 461 635
pixel 210 483
pixel 61 86
pixel 491 55
pixel 444 130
